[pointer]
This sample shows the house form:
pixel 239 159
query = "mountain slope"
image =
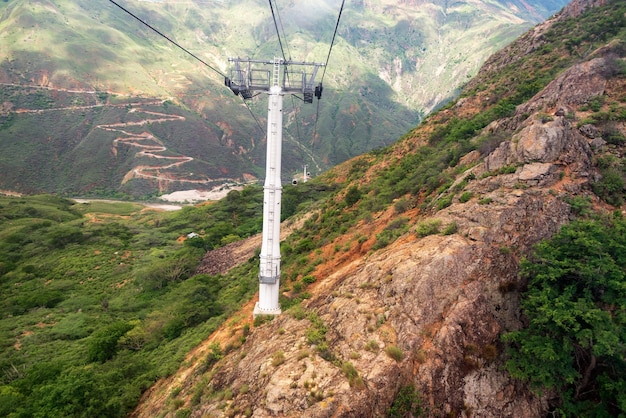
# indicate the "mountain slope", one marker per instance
pixel 393 62
pixel 412 268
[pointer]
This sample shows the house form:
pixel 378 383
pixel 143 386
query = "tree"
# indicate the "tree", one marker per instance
pixel 575 342
pixel 103 343
pixel 352 195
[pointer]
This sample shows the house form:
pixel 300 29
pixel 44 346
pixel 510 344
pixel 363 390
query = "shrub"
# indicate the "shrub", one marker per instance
pixel 402 205
pixel 610 187
pixel 579 205
pixel 614 137
pixel 278 358
pixel 407 403
pixel 262 319
pixel 573 344
pixel 429 227
pixel 102 344
pixel 352 374
pixel 371 345
pixel 308 280
pixel 394 352
pixel 450 229
pixel 444 202
pixel 465 197
pixel 352 195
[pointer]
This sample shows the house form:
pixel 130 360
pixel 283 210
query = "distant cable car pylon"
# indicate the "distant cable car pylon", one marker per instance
pixel 244 81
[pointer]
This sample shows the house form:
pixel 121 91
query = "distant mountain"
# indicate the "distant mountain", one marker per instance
pixel 85 86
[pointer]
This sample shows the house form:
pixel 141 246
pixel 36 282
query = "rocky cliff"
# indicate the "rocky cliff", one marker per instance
pixel 427 311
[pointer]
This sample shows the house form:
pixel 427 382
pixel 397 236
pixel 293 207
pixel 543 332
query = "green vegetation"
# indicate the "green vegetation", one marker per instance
pixel 431 168
pixel 278 358
pixel 316 335
pixel 394 352
pixel 575 305
pixel 363 111
pixel 610 187
pixel 100 299
pixel 407 403
pixel 429 227
pixel 391 232
pixel 450 229
pixel 465 197
pixel 352 374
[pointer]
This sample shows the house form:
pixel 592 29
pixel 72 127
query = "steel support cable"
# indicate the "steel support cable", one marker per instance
pixel 332 42
pixel 280 21
pixel 277 32
pixel 164 36
pixel 293 105
pixel 317 116
pixel 255 118
pixel 191 54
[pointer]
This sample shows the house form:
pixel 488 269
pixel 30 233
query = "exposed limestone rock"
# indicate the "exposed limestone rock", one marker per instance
pixel 442 300
pixel 540 148
pixel 439 299
pixel 577 7
pixel 574 87
pixel 590 131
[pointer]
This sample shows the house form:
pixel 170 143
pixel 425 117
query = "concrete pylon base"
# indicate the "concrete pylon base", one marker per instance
pixel 258 311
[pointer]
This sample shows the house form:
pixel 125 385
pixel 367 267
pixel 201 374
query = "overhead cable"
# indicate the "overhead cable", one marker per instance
pixel 333 40
pixel 255 118
pixel 317 116
pixel 277 31
pixel 280 21
pixel 189 53
pixel 170 40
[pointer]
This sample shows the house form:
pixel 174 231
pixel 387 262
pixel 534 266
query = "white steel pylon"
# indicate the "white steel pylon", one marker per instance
pixel 244 82
pixel 269 273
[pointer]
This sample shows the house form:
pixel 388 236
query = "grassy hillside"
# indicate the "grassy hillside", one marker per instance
pixel 392 63
pixel 98 299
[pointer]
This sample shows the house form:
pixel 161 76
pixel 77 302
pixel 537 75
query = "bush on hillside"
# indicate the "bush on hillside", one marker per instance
pixel 575 307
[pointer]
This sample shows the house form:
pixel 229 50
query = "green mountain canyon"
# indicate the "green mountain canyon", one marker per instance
pixel 459 251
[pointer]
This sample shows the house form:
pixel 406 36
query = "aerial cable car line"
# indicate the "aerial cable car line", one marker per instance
pixel 332 42
pixel 280 42
pixel 255 118
pixel 280 21
pixel 244 84
pixel 171 41
pixel 246 80
pixel 187 52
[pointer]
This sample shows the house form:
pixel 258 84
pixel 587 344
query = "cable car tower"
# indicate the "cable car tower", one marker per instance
pixel 244 81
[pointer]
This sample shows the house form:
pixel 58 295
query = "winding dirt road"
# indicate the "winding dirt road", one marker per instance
pixel 149 145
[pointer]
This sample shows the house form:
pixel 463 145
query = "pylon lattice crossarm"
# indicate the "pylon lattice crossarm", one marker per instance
pixel 246 77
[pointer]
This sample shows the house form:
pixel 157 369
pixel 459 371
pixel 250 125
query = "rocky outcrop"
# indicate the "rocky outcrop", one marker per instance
pixel 440 301
pixel 577 7
pixel 427 311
